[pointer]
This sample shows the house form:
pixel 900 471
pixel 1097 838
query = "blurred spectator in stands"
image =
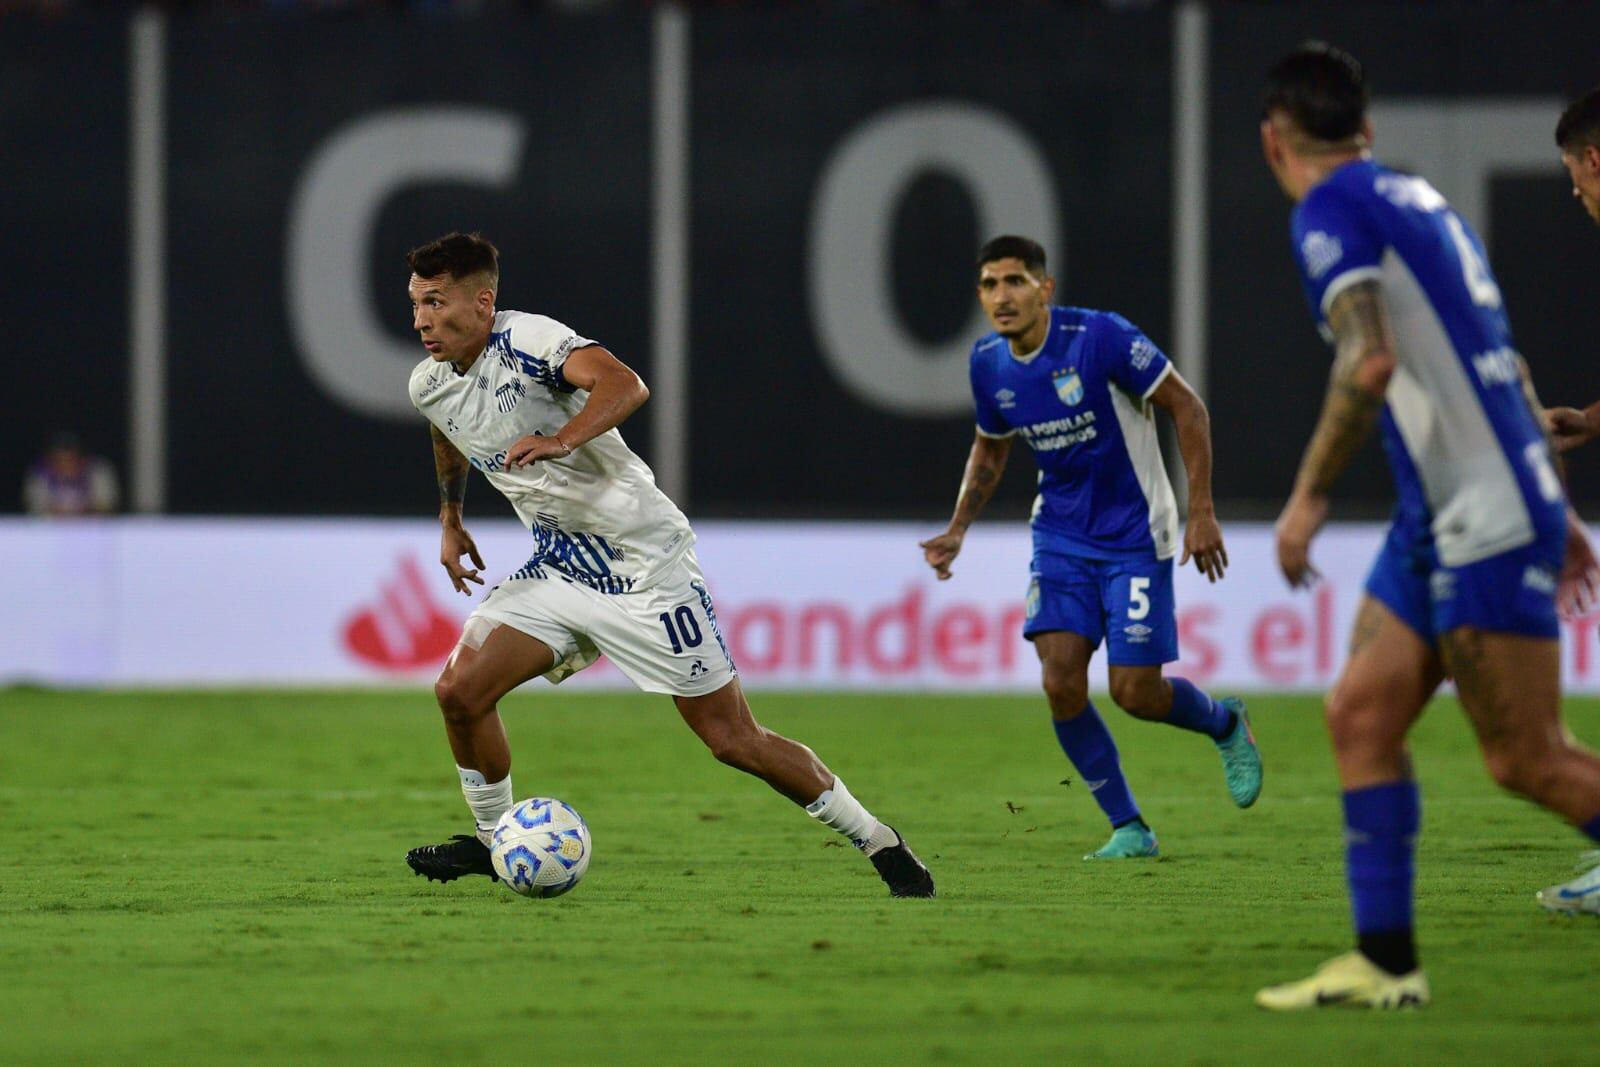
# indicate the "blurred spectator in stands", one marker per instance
pixel 69 481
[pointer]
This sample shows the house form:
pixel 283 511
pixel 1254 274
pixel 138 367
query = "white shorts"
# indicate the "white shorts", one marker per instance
pixel 664 638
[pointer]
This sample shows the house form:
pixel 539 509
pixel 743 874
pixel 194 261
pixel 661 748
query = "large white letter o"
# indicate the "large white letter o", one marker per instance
pixel 852 298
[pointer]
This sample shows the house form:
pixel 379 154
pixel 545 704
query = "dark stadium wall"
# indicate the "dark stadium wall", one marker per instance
pixel 63 240
pixel 1469 97
pixel 840 171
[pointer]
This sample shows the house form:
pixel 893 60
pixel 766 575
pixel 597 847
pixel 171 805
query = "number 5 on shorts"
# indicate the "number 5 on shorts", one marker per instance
pixel 1138 598
pixel 687 630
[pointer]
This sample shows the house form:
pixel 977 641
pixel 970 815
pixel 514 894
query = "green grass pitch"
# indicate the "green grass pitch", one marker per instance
pixel 217 877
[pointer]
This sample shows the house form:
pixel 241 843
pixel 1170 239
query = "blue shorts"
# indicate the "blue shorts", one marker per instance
pixel 1513 592
pixel 1126 603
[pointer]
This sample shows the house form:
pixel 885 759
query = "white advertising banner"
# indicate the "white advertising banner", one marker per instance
pixel 177 602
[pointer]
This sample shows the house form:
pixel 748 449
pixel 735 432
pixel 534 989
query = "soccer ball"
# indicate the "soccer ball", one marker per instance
pixel 540 847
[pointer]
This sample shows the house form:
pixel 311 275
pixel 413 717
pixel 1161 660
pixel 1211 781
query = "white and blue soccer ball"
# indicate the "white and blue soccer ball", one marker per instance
pixel 540 847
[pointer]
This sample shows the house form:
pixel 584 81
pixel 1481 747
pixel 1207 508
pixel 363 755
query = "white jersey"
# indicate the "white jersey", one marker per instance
pixel 597 515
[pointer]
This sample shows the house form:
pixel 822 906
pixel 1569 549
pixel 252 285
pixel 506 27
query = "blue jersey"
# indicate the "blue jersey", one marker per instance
pixel 1082 404
pixel 1470 461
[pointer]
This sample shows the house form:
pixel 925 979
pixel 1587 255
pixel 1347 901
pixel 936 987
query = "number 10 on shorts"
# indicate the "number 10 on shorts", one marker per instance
pixel 683 630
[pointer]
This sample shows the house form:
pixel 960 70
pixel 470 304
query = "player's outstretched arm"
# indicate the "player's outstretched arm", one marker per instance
pixel 615 392
pixel 1364 361
pixel 451 468
pixel 1202 535
pixel 985 463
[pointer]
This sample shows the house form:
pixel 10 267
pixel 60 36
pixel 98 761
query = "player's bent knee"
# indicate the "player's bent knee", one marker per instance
pixel 1140 697
pixel 454 698
pixel 1350 717
pixel 1523 770
pixel 1067 694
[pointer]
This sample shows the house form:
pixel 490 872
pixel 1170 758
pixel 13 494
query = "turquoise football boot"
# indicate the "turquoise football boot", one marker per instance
pixel 1128 842
pixel 1241 759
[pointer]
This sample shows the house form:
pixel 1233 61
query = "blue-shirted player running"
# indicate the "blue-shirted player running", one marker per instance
pixel 1079 386
pixel 1483 545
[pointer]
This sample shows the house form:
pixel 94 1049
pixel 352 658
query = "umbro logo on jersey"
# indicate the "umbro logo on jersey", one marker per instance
pixel 1069 387
pixel 1138 633
pixel 1320 251
pixel 1094 786
pixel 1006 398
pixel 1141 353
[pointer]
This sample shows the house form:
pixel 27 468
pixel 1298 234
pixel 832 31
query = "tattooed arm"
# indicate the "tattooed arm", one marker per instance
pixel 985 463
pixel 450 467
pixel 1364 360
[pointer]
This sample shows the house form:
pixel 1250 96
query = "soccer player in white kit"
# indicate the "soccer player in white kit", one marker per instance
pixel 535 408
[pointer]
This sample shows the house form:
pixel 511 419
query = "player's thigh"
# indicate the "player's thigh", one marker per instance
pixel 1510 687
pixel 1141 614
pixel 1389 675
pixel 527 627
pixel 492 659
pixel 666 639
pixel 1500 639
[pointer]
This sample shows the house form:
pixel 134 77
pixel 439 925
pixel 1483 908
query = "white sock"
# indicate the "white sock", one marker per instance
pixel 487 800
pixel 844 813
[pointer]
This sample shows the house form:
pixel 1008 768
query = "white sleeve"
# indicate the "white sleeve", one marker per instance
pixel 546 342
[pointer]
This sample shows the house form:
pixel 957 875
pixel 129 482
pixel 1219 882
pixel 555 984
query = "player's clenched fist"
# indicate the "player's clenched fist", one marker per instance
pixel 940 552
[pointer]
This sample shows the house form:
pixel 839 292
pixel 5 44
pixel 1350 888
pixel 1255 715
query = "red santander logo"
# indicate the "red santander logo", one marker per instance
pixel 406 628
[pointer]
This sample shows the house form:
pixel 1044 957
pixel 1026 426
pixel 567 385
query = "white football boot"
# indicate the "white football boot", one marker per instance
pixel 1581 896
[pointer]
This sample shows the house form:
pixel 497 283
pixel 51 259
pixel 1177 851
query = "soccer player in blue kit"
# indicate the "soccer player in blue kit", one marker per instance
pixel 1080 387
pixel 1482 547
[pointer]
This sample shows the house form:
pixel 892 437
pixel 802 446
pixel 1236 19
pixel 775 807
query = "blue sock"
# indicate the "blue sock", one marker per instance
pixel 1193 710
pixel 1088 744
pixel 1381 823
pixel 1592 828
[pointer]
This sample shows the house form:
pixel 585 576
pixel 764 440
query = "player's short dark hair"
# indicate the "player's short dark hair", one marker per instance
pixel 1009 246
pixel 460 255
pixel 1321 88
pixel 1580 123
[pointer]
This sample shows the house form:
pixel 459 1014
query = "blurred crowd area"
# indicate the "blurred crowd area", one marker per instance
pixel 51 8
pixel 48 8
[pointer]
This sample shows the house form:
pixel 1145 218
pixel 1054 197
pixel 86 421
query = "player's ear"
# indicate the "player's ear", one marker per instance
pixel 1591 158
pixel 1048 288
pixel 1271 149
pixel 1367 134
